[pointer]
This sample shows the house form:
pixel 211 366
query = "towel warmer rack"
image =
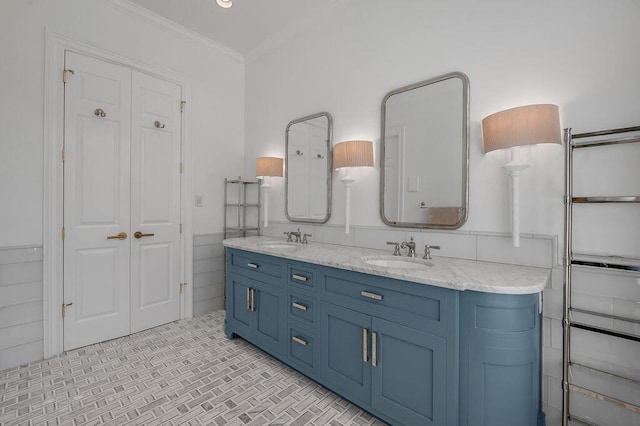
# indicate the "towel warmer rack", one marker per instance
pixel 573 142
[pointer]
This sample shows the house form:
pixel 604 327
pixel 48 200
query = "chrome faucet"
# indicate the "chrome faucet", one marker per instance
pixel 427 251
pixel 304 238
pixel 411 245
pixel 396 249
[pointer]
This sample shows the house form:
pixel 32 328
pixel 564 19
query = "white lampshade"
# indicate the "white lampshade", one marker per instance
pixel 269 166
pixel 353 154
pixel 525 125
pixel 225 3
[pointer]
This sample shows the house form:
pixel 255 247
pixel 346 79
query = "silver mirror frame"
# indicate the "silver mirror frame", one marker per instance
pixel 329 168
pixel 465 159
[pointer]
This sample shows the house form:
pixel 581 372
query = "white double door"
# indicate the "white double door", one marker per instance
pixel 121 201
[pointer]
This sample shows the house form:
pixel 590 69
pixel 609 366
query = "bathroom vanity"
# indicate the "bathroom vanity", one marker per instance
pixel 415 342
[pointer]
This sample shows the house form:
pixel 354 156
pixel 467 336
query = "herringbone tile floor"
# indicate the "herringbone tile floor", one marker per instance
pixel 182 373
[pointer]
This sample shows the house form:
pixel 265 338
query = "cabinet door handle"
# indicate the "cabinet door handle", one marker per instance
pixel 248 299
pixel 365 346
pixel 371 295
pixel 299 306
pixel 253 265
pixel 253 300
pixel 299 278
pixel 299 340
pixel 374 350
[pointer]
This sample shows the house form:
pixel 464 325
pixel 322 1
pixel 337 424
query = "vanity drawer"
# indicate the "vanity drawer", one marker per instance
pixel 255 265
pixel 301 277
pixel 302 308
pixel 302 348
pixel 420 306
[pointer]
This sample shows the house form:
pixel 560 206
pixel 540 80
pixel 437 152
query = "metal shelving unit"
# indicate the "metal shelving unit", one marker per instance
pixel 243 205
pixel 585 141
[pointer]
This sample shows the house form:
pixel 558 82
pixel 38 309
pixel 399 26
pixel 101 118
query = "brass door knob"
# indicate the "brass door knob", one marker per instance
pixel 139 235
pixel 120 236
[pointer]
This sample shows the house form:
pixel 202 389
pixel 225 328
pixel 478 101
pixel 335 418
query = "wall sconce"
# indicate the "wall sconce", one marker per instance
pixel 351 154
pixel 513 128
pixel 267 166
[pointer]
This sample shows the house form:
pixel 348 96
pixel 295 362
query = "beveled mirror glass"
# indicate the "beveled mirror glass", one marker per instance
pixel 308 169
pixel 424 157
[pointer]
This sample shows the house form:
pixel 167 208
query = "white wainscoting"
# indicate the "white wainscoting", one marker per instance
pixel 21 327
pixel 208 273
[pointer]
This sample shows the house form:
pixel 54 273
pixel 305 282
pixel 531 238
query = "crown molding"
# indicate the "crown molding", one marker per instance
pixel 147 16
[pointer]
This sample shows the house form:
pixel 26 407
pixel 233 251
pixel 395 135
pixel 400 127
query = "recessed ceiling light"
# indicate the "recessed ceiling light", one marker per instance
pixel 225 3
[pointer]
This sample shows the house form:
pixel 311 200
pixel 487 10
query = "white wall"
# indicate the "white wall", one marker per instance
pixel 215 123
pixel 581 55
pixel 216 104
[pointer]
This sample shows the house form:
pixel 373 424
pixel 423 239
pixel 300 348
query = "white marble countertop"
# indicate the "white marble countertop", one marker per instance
pixel 448 272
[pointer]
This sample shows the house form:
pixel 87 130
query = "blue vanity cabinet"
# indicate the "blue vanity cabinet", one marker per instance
pixel 500 359
pixel 409 353
pixel 256 301
pixel 391 346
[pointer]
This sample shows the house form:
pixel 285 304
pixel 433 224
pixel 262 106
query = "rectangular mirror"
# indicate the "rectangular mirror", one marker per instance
pixel 308 169
pixel 425 154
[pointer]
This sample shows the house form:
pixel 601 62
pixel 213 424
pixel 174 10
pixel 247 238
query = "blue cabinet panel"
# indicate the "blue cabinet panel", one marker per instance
pixel 302 308
pixel 238 313
pixel 303 349
pixel 343 364
pixel 300 277
pixel 500 359
pixel 269 321
pixel 409 382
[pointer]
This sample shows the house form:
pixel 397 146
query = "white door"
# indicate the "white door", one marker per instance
pixel 96 201
pixel 122 177
pixel 155 202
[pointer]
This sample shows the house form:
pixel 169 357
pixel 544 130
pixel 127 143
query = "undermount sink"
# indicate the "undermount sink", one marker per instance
pixel 397 262
pixel 278 245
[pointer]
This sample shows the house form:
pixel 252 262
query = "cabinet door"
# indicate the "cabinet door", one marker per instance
pixel 500 359
pixel 409 381
pixel 269 317
pixel 343 364
pixel 239 314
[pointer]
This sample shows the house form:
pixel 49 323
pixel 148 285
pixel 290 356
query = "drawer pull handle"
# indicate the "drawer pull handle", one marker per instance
pixel 253 265
pixel 299 278
pixel 248 300
pixel 371 295
pixel 365 346
pixel 299 340
pixel 374 350
pixel 299 306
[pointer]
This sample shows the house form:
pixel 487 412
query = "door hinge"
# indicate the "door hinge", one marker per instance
pixel 182 287
pixel 181 228
pixel 64 75
pixel 181 167
pixel 62 234
pixel 64 155
pixel 182 105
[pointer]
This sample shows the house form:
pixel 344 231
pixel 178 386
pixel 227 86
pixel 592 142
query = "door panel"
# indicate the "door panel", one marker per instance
pixel 155 201
pixel 269 330
pixel 96 202
pixel 409 381
pixel 342 351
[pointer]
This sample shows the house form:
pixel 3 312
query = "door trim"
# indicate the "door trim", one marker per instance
pixel 55 46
